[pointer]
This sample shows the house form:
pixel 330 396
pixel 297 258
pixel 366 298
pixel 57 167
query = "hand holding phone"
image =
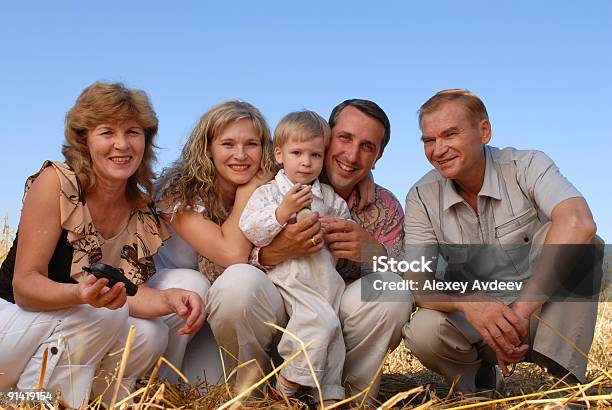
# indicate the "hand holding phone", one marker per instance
pixel 114 275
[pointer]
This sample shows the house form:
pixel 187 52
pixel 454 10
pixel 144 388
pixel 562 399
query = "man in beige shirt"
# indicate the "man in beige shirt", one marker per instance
pixel 505 200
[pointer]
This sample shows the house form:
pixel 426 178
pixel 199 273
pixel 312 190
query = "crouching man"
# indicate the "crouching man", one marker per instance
pixel 511 202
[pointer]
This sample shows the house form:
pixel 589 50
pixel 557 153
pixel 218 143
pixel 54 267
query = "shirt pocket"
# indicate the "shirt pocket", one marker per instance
pixel 515 238
pixel 519 230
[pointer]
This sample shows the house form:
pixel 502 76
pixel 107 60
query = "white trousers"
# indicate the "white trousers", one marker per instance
pixel 187 279
pixel 77 339
pixel 154 337
pixel 84 339
pixel 243 298
pixel 311 289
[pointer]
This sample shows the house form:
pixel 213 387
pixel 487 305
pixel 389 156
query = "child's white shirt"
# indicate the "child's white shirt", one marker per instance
pixel 258 221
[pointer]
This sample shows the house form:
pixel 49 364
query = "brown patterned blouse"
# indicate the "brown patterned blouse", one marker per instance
pixel 145 234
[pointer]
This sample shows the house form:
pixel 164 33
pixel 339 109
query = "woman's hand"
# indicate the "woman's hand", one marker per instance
pixel 94 292
pixel 367 192
pixel 188 306
pixel 150 302
pixel 244 192
pixel 262 177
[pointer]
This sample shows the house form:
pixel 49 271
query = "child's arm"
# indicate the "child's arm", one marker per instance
pixel 297 198
pixel 258 220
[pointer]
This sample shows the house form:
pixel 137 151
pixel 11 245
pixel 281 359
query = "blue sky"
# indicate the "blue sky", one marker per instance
pixel 544 70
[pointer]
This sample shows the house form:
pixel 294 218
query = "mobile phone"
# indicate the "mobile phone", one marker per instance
pixel 114 275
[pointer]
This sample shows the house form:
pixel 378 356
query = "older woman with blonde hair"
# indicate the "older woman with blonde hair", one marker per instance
pixel 94 207
pixel 202 196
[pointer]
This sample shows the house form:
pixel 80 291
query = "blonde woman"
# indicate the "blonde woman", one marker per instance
pixel 202 194
pixel 94 207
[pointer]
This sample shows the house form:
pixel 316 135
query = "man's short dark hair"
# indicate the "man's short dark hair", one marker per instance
pixel 369 108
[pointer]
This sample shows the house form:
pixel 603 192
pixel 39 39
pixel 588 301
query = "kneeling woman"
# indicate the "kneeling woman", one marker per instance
pixel 202 196
pixel 95 207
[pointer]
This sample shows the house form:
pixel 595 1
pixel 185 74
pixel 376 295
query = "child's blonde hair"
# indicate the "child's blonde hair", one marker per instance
pixel 301 126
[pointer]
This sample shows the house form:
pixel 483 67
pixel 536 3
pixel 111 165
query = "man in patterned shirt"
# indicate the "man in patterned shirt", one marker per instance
pixel 360 132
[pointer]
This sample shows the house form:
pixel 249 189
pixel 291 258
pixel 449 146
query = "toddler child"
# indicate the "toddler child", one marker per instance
pixel 310 286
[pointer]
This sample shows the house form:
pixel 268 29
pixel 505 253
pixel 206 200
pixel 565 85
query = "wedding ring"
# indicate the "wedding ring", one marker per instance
pixel 314 243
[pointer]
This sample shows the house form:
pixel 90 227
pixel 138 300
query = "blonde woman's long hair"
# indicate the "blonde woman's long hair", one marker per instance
pixel 191 180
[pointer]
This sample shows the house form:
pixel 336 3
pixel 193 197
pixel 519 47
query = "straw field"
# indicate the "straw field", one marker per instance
pixel 406 384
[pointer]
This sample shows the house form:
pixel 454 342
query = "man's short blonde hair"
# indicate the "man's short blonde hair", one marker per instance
pixel 301 126
pixel 472 104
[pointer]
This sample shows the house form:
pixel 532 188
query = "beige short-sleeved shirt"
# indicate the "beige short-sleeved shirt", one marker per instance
pixel 519 192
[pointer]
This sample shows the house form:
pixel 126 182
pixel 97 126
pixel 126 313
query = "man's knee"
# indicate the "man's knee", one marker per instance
pixel 422 334
pixel 396 314
pixel 390 314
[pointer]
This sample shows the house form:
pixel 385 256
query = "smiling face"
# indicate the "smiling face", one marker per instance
pixel 302 161
pixel 353 150
pixel 116 150
pixel 453 142
pixel 236 153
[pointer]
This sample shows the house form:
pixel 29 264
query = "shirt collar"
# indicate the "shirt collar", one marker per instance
pixel 451 196
pixel 353 198
pixel 490 185
pixel 285 184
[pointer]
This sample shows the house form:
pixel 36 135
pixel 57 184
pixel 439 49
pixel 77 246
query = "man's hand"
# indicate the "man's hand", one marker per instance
pixel 500 327
pixel 188 306
pixel 345 238
pixel 298 197
pixel 294 241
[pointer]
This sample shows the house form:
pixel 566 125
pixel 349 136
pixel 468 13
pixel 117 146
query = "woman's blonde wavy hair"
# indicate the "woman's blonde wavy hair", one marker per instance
pixel 102 103
pixel 192 177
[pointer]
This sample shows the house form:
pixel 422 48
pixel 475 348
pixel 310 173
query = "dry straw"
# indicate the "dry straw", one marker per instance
pixel 161 395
